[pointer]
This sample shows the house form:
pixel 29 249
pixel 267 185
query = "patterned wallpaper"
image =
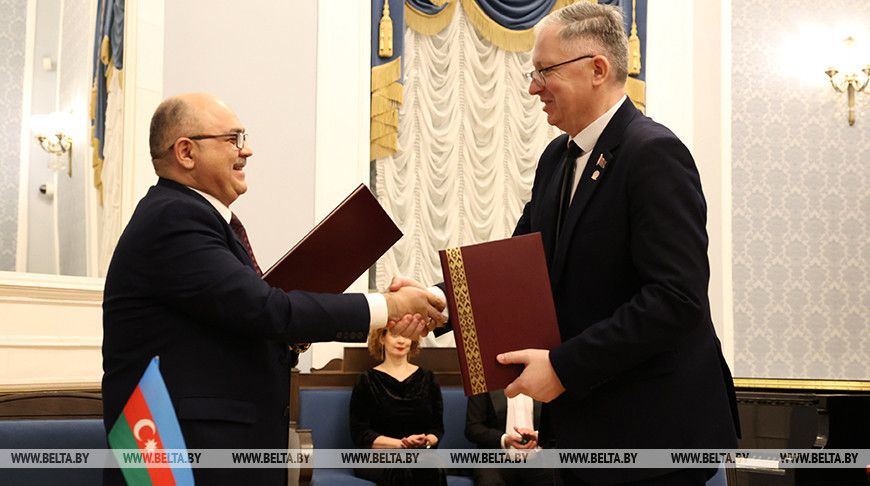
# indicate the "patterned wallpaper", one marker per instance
pixel 12 36
pixel 801 200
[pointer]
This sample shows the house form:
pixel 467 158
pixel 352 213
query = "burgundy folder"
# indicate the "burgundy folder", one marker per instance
pixel 339 249
pixel 499 298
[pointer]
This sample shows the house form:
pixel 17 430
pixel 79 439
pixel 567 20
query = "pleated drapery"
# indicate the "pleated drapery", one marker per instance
pixel 469 133
pixel 469 139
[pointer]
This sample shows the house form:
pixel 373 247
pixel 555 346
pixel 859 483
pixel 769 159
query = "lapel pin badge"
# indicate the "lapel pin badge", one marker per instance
pixel 601 161
pixel 595 175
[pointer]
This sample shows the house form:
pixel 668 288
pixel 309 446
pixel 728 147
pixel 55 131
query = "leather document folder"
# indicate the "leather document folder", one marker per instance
pixel 339 249
pixel 499 298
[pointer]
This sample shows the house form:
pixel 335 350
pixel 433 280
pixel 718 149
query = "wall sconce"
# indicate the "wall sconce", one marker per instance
pixel 850 81
pixel 52 132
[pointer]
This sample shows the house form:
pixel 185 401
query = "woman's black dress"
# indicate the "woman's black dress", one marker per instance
pixel 383 405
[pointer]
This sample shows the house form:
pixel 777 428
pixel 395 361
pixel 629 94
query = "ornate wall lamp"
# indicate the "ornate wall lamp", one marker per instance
pixel 52 133
pixel 850 81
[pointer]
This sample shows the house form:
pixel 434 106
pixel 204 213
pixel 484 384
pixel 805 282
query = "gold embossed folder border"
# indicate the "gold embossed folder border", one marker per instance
pixel 499 299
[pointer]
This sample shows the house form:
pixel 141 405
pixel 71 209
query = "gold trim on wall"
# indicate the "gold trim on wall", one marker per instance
pixel 801 384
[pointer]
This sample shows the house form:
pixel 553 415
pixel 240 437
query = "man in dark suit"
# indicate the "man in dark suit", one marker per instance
pixel 640 365
pixel 486 425
pixel 623 224
pixel 183 285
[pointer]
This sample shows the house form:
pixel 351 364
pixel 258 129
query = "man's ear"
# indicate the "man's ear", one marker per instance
pixel 600 69
pixel 184 153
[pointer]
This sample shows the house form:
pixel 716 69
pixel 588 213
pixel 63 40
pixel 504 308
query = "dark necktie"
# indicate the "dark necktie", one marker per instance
pixel 567 183
pixel 240 232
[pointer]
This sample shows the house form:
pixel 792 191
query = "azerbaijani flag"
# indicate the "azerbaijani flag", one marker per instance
pixel 148 423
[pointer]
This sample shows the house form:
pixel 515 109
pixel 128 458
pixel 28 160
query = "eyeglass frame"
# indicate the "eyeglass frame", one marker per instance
pixel 241 138
pixel 543 82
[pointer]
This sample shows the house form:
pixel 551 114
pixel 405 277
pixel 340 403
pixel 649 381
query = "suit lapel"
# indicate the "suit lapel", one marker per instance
pixel 233 242
pixel 601 160
pixel 238 246
pixel 499 405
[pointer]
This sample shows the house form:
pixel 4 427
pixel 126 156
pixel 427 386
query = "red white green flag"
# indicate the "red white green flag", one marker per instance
pixel 148 423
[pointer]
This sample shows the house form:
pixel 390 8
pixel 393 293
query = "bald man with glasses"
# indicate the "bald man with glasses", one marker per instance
pixel 183 285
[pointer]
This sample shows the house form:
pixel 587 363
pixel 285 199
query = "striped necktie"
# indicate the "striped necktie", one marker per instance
pixel 242 235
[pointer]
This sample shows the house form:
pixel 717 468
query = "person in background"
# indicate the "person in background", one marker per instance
pixel 493 421
pixel 397 405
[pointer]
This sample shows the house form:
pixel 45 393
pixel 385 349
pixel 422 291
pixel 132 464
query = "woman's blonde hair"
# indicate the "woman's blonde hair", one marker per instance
pixel 376 349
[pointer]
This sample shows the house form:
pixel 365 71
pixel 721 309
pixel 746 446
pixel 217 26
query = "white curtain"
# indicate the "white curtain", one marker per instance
pixel 469 140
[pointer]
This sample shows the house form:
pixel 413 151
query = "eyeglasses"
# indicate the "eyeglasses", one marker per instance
pixel 538 74
pixel 241 138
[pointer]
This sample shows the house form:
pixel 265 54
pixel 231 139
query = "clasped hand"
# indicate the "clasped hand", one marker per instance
pixel 416 441
pixel 538 380
pixel 413 310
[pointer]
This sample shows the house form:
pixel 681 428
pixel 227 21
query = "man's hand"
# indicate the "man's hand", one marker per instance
pixel 413 301
pixel 411 326
pixel 522 434
pixel 538 380
pixel 399 282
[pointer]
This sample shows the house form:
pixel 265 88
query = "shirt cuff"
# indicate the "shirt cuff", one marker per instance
pixel 377 310
pixel 503 436
pixel 440 294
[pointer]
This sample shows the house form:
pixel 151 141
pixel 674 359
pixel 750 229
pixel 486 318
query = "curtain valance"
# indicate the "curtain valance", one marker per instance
pixel 507 24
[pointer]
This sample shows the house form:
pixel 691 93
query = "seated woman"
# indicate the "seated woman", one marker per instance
pixel 396 405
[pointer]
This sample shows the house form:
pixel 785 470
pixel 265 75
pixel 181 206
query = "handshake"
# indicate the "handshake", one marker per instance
pixel 413 310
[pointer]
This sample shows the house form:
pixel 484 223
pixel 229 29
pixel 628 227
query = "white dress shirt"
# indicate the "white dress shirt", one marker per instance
pixel 588 137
